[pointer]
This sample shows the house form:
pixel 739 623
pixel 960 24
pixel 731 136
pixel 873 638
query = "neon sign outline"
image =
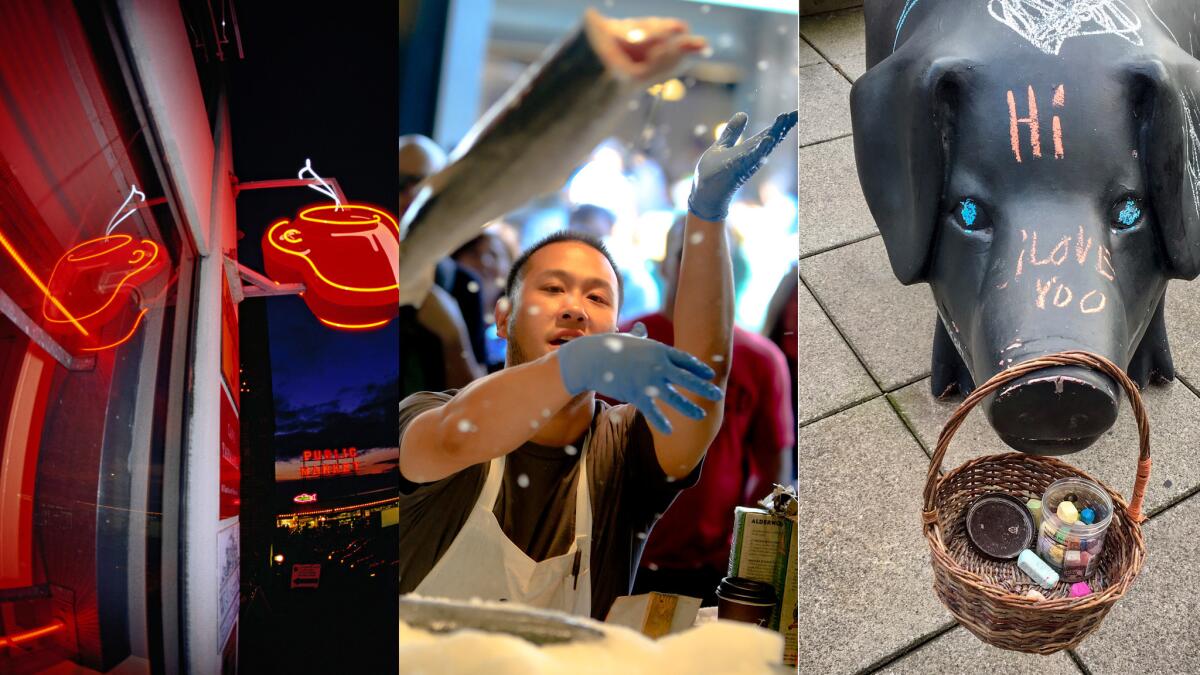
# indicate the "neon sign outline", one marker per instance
pixel 113 296
pixel 37 281
pixel 303 255
pixel 286 236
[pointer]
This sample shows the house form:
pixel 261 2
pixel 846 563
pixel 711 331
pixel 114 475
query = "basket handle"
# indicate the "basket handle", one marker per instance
pixel 1069 358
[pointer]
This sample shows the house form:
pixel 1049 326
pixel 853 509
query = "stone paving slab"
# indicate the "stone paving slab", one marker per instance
pixel 837 35
pixel 867 582
pixel 832 208
pixel 824 105
pixel 808 55
pixel 888 325
pixel 854 66
pixel 960 652
pixel 830 376
pixel 1183 328
pixel 1174 426
pixel 1155 627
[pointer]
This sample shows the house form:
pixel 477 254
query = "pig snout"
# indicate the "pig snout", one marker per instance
pixel 1054 411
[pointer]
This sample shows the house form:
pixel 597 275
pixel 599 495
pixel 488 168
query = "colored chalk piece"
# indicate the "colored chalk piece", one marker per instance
pixel 1067 512
pixel 1071 559
pixel 1056 554
pixel 1088 516
pixel 1080 589
pixel 1035 594
pixel 1035 509
pixel 1061 534
pixel 1038 570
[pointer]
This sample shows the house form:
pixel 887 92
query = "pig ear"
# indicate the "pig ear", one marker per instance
pixel 1171 147
pixel 898 113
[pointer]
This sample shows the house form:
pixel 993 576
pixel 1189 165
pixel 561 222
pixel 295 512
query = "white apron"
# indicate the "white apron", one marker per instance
pixel 482 562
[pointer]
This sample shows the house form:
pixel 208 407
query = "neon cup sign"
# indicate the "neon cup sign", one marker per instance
pixel 94 296
pixel 346 255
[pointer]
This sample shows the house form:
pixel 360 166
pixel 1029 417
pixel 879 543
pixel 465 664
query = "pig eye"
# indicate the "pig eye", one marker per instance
pixel 1126 212
pixel 971 216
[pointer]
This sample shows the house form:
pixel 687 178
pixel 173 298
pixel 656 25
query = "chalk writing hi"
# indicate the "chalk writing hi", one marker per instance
pixel 1031 120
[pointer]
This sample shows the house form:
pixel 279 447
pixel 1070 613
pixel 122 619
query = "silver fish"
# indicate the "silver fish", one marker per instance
pixel 528 143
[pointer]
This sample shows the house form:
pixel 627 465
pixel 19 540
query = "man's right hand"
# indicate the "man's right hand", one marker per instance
pixel 631 368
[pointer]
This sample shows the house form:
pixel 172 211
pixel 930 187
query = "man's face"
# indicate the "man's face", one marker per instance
pixel 569 290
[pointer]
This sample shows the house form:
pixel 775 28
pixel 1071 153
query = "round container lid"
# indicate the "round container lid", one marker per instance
pixel 740 589
pixel 999 526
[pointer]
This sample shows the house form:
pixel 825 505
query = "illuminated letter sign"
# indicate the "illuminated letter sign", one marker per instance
pixel 347 258
pixel 94 297
pixel 328 462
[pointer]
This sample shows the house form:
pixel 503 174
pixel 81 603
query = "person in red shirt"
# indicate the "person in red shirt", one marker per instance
pixel 687 552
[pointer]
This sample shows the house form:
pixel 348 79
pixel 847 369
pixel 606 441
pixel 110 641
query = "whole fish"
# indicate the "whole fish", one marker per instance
pixel 528 143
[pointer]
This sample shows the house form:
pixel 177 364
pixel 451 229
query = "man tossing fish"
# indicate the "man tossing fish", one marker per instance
pixel 523 486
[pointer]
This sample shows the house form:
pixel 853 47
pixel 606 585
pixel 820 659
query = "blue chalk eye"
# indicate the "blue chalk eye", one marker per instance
pixel 970 215
pixel 968 212
pixel 1126 213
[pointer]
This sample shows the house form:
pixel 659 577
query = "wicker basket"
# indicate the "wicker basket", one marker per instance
pixel 987 596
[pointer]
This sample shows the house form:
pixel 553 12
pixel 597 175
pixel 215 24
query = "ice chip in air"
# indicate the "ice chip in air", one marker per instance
pixel 472 286
pixel 696 237
pixel 614 345
pixel 608 376
pixel 571 450
pixel 465 426
pixel 763 65
pixel 523 481
pixel 652 391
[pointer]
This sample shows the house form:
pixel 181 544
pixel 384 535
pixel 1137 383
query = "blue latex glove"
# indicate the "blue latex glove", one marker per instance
pixel 725 167
pixel 631 368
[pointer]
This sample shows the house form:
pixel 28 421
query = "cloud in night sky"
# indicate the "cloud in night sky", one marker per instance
pixel 373 422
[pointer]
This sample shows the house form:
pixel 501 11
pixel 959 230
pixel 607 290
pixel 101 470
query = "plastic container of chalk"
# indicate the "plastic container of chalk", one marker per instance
pixel 1073 549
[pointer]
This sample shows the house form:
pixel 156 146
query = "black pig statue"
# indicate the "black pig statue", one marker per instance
pixel 1037 162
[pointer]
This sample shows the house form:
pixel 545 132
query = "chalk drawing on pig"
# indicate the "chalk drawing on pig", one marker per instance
pixel 1047 24
pixel 1063 295
pixel 1191 147
pixel 900 24
pixel 1150 6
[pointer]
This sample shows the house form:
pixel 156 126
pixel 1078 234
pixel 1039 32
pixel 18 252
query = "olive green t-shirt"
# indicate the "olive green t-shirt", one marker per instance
pixel 629 491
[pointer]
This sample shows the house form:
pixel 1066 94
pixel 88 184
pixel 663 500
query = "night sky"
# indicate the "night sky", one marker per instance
pixel 319 82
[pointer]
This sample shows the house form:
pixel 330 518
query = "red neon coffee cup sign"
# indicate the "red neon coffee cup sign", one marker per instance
pixel 346 256
pixel 93 300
